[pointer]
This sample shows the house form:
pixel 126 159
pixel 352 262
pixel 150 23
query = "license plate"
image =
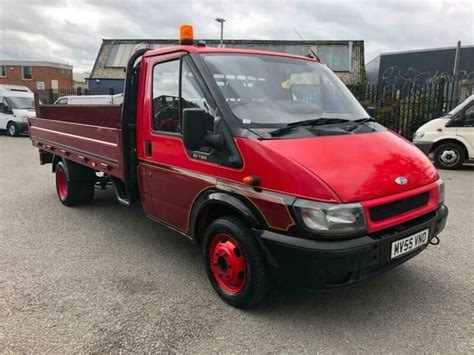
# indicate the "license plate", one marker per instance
pixel 406 245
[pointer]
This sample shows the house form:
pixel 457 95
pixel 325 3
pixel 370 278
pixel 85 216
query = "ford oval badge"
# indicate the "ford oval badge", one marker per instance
pixel 401 180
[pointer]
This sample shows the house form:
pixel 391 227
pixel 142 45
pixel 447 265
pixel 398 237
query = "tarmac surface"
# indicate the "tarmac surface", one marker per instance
pixel 102 277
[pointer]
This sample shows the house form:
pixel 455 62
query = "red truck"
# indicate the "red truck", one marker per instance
pixel 264 159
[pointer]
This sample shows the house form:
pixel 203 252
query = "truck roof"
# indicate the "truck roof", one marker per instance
pixel 15 90
pixel 205 50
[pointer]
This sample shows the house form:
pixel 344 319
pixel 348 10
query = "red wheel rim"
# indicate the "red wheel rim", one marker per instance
pixel 61 183
pixel 227 263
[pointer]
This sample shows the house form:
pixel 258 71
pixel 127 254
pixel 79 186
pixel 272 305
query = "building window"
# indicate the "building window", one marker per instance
pixel 27 73
pixel 3 71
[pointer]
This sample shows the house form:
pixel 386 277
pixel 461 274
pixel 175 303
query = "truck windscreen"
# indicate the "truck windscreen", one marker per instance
pixel 21 103
pixel 271 90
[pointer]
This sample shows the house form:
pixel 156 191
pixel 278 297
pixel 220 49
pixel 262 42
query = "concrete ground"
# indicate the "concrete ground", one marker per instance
pixel 103 277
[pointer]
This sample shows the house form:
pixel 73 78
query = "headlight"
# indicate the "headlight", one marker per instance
pixel 418 135
pixel 441 190
pixel 331 219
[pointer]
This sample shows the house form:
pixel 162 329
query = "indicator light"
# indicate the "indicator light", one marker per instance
pixel 251 180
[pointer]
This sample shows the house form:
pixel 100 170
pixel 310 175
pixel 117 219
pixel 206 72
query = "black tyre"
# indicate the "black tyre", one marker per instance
pixel 449 156
pixel 234 262
pixel 71 193
pixel 12 129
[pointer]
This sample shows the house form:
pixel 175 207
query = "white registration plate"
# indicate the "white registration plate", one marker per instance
pixel 405 245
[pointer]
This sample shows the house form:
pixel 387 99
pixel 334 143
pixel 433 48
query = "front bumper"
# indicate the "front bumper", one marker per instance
pixel 425 147
pixel 316 264
pixel 22 126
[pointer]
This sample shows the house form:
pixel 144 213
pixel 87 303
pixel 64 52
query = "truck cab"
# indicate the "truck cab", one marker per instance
pixel 264 159
pixel 16 105
pixel 449 138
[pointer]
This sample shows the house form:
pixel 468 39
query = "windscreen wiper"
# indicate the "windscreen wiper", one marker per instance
pixel 364 120
pixel 314 122
pixel 359 122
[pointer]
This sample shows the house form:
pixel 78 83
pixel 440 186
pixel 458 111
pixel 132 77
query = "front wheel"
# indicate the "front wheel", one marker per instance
pixel 13 129
pixel 449 156
pixel 234 262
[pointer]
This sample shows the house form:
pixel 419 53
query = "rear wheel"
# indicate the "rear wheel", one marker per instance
pixel 234 262
pixel 449 156
pixel 71 193
pixel 13 129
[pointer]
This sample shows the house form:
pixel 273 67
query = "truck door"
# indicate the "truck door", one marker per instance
pixel 467 130
pixel 174 176
pixel 6 113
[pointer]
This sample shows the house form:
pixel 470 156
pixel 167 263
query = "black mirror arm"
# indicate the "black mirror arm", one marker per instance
pixel 213 140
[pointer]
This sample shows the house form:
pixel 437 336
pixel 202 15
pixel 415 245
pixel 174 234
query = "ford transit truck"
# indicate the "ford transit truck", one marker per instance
pixel 264 159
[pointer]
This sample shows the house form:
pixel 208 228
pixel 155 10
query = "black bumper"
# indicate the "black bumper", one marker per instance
pixel 425 147
pixel 316 264
pixel 22 126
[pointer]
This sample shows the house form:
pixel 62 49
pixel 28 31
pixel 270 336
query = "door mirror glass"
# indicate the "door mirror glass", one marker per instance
pixel 7 110
pixel 457 120
pixel 195 124
pixel 469 116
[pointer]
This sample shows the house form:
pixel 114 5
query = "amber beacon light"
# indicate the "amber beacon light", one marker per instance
pixel 186 35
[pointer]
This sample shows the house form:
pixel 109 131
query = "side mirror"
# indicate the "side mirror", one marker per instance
pixel 457 120
pixel 194 128
pixel 7 110
pixel 371 111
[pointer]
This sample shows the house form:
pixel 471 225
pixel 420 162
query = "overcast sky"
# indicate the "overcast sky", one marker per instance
pixel 71 31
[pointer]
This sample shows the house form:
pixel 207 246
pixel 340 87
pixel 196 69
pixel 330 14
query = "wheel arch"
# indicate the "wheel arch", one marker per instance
pixel 74 171
pixel 213 204
pixel 454 141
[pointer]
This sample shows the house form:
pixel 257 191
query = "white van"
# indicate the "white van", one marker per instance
pixel 450 138
pixel 90 100
pixel 16 105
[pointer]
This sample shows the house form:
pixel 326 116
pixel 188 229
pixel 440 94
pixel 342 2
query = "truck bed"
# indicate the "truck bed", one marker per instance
pixel 88 135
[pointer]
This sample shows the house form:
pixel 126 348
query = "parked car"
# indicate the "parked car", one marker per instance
pixel 16 105
pixel 90 100
pixel 264 159
pixel 450 138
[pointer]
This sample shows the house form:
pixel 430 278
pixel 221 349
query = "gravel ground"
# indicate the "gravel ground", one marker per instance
pixel 102 278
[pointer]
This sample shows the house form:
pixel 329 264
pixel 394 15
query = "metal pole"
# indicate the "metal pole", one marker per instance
pixel 221 21
pixel 454 91
pixel 222 34
pixel 456 59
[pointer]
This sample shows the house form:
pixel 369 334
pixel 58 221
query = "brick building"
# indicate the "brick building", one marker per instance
pixel 36 75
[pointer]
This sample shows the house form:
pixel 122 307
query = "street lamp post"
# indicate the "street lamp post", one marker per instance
pixel 221 20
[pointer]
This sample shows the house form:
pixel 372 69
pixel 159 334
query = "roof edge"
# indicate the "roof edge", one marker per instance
pixel 36 63
pixel 228 40
pixel 427 50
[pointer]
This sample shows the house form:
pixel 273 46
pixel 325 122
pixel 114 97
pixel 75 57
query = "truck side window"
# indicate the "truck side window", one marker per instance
pixel 166 97
pixel 4 108
pixel 192 96
pixel 469 117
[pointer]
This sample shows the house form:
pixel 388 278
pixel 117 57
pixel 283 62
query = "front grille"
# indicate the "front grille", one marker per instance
pixel 395 208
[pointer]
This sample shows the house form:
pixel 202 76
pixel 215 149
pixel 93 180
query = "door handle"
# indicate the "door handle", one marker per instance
pixel 148 148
